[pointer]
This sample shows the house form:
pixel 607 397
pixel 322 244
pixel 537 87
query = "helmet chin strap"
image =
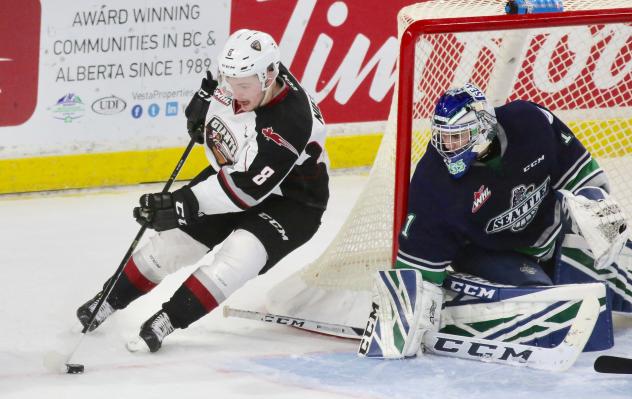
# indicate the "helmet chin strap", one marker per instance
pixel 270 93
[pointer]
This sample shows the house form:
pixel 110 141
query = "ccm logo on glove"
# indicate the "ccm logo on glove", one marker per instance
pixel 165 211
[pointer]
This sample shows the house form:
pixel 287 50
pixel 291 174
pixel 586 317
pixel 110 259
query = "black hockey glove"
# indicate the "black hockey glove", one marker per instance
pixel 165 211
pixel 198 107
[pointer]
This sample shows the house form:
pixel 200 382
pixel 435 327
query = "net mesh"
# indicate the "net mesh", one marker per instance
pixel 581 73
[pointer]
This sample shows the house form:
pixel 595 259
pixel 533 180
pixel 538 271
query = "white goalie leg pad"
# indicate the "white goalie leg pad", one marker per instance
pixel 404 308
pixel 600 222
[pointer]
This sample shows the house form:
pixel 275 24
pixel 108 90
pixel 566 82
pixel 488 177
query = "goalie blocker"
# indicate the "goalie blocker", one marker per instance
pixel 502 323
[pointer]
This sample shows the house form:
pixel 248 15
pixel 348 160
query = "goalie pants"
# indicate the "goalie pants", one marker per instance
pixel 252 242
pixel 503 267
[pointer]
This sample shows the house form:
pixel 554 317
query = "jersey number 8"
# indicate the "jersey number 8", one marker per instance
pixel 263 176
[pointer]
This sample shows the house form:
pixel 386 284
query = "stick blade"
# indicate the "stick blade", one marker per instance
pixel 613 365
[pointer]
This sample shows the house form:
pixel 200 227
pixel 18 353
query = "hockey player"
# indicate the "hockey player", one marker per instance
pixel 497 195
pixel 262 196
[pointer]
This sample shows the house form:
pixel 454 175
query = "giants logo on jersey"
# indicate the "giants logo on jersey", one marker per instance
pixel 525 202
pixel 480 197
pixel 221 141
pixel 270 134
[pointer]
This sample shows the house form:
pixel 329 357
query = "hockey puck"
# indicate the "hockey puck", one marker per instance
pixel 74 368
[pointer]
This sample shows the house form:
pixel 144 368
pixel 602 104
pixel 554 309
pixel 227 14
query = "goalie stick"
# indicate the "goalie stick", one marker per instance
pixel 559 358
pixel 613 365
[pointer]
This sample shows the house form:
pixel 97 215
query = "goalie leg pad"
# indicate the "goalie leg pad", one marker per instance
pixel 538 316
pixel 404 308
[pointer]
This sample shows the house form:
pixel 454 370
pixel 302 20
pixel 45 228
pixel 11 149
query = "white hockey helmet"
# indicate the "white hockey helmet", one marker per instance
pixel 250 52
pixel 463 126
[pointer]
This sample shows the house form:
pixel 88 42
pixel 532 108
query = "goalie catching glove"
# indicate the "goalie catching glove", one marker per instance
pixel 198 107
pixel 404 308
pixel 599 219
pixel 165 211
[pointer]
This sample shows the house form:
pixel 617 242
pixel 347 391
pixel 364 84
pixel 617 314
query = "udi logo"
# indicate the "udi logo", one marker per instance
pixel 19 60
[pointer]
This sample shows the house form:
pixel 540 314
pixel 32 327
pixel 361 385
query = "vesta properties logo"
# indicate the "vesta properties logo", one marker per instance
pixel 19 60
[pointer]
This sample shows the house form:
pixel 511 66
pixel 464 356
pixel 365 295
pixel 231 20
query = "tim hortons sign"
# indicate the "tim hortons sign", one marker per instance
pixel 345 53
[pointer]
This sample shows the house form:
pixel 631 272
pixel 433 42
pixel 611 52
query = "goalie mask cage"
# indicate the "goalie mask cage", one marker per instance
pixel 578 63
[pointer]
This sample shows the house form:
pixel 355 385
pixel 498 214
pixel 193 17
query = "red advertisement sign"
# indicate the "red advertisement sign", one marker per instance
pixel 344 52
pixel 19 61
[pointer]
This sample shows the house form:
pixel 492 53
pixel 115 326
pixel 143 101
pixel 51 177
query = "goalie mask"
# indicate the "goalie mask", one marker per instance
pixel 463 127
pixel 247 53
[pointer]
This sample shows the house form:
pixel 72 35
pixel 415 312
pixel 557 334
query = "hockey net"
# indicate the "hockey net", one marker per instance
pixel 577 63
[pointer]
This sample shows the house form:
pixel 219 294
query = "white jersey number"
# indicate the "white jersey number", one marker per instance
pixel 409 221
pixel 263 176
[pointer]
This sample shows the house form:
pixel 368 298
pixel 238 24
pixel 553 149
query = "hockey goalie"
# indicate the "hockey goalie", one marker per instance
pixel 510 231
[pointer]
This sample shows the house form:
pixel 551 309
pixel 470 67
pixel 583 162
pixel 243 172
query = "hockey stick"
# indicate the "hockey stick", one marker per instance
pixel 559 358
pixel 59 362
pixel 613 365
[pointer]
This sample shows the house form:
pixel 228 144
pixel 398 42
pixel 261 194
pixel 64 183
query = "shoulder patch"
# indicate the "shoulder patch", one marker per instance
pixel 270 134
pixel 566 137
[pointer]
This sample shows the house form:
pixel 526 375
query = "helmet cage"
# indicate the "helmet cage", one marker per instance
pixel 460 144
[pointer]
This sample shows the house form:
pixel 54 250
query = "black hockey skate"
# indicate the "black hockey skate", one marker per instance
pixel 155 329
pixel 85 312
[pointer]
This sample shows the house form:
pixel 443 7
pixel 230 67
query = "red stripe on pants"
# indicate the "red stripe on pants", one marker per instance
pixel 201 293
pixel 136 277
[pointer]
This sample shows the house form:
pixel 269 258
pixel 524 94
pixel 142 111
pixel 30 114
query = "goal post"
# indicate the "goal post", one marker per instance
pixel 578 63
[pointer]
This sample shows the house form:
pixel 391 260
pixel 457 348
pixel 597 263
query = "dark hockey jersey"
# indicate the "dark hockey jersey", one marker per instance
pixel 504 204
pixel 278 148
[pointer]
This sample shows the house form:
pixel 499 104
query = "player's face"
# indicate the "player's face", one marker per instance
pixel 246 91
pixel 455 141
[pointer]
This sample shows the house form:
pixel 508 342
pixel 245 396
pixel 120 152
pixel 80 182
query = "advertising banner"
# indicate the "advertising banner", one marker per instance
pixel 102 76
pixel 343 52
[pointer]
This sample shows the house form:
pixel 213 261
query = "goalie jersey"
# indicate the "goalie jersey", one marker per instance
pixel 276 149
pixel 505 203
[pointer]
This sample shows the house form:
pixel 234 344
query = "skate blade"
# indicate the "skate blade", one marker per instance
pixel 137 345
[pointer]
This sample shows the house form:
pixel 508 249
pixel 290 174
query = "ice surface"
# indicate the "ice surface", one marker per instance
pixel 58 248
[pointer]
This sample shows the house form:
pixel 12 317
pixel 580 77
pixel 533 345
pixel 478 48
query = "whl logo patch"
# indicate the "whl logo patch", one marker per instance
pixel 480 197
pixel 525 202
pixel 270 134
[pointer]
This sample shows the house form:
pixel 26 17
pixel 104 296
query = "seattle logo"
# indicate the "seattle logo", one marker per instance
pixel 525 202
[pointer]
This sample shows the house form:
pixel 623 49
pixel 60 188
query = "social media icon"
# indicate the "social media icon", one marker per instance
pixel 137 111
pixel 153 110
pixel 171 108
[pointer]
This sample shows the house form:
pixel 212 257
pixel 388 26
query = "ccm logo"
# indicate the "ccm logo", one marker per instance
pixel 274 224
pixel 472 290
pixel 283 320
pixel 477 350
pixel 180 212
pixel 534 163
pixel 368 331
